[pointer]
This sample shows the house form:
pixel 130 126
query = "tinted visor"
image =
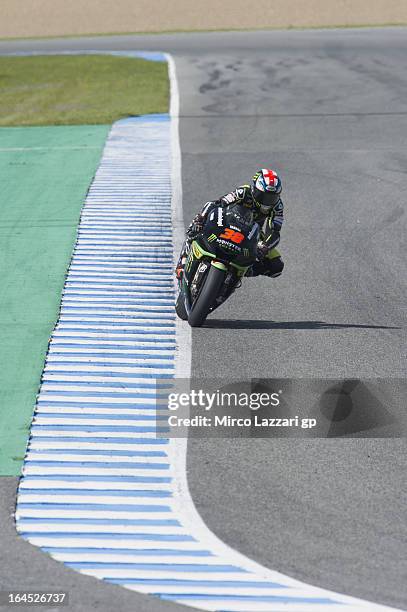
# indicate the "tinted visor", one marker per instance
pixel 266 200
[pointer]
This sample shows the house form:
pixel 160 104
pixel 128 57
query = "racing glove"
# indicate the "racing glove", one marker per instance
pixel 262 250
pixel 196 225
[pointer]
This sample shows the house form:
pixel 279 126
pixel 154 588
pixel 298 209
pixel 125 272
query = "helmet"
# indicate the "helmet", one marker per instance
pixel 266 189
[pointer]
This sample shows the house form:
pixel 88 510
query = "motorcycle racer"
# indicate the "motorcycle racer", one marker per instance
pixel 262 196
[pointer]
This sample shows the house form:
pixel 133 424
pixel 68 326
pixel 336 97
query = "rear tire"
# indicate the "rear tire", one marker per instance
pixel 180 307
pixel 209 292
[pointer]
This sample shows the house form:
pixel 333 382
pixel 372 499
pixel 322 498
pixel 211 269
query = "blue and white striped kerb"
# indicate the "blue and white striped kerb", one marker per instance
pixel 100 492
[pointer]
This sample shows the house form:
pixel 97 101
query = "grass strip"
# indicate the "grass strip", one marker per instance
pixel 334 26
pixel 78 90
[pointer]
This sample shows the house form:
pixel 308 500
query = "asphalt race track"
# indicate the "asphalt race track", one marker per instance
pixel 328 110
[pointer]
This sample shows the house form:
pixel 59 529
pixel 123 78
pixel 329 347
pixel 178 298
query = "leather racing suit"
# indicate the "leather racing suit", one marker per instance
pixel 269 261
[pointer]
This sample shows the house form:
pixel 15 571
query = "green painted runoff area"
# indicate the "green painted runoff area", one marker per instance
pixel 45 173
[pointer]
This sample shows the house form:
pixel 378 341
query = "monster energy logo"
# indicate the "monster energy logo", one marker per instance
pixel 246 252
pixel 212 237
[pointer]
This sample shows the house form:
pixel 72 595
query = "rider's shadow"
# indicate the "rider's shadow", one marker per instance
pixel 305 325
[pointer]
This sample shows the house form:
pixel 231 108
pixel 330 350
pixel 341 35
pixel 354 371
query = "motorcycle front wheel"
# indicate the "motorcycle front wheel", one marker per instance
pixel 207 295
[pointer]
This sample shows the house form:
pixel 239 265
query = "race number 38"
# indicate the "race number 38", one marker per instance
pixel 232 235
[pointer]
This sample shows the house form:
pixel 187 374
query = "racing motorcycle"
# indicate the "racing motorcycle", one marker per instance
pixel 217 259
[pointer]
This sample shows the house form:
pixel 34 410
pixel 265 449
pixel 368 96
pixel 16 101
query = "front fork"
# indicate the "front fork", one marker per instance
pixel 179 269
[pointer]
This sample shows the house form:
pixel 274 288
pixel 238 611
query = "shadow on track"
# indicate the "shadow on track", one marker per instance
pixel 247 324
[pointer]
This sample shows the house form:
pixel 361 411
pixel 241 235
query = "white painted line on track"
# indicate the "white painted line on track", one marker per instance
pixel 100 491
pixel 52 444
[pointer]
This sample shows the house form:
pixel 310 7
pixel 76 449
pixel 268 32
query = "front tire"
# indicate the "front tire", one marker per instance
pixel 209 292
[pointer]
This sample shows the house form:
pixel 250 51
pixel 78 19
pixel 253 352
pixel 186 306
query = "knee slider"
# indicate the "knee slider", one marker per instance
pixel 275 267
